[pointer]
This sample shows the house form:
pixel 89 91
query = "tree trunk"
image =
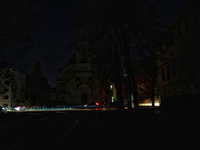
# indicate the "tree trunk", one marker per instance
pixel 128 92
pixel 128 80
pixel 153 93
pixel 154 71
pixel 135 93
pixel 120 105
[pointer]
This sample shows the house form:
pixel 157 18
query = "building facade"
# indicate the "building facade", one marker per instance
pixel 179 63
pixel 16 92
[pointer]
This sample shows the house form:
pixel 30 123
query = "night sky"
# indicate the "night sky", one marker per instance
pixel 54 31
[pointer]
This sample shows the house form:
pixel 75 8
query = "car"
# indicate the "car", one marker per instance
pixel 4 109
pixel 92 105
pixel 19 107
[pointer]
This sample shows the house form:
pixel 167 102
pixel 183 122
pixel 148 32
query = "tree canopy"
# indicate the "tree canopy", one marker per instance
pixel 17 19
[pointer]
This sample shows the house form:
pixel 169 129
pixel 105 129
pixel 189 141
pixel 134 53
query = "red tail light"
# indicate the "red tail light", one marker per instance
pixel 97 104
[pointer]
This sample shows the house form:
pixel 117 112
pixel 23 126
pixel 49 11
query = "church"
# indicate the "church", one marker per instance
pixel 80 83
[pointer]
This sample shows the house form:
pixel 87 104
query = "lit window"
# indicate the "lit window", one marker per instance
pixel 113 99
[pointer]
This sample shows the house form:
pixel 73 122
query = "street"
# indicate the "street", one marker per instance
pixel 94 129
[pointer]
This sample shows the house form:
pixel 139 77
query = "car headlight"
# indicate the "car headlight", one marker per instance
pixel 17 108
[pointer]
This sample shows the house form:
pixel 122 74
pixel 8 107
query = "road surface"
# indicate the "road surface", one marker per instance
pixel 94 129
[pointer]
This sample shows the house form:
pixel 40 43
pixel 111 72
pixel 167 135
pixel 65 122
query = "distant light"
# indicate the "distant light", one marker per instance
pixel 97 104
pixel 149 104
pixel 111 86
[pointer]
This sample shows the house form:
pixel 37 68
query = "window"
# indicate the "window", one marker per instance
pixel 161 49
pixel 174 68
pixel 5 97
pixel 169 92
pixel 168 71
pixel 195 17
pixel 166 41
pixel 84 68
pixel 84 58
pixel 186 25
pixel 5 105
pixel 182 90
pixel 83 50
pixel 175 93
pixel 163 75
pixel 163 94
pixel 179 31
pixel 192 88
pixel 171 38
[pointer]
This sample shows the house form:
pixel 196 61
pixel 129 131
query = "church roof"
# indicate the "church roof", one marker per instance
pixel 73 59
pixel 70 78
pixel 82 84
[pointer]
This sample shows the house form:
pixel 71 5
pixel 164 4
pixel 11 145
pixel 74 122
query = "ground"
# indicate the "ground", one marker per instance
pixel 94 129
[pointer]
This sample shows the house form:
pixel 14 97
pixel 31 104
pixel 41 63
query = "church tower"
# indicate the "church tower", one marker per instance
pixel 83 51
pixel 79 83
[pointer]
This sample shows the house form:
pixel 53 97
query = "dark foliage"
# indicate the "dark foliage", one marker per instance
pixel 121 33
pixel 17 19
pixel 37 86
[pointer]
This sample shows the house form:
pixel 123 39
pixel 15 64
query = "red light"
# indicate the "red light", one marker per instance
pixel 97 104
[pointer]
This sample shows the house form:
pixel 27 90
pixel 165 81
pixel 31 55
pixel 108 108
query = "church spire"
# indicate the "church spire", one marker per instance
pixel 83 51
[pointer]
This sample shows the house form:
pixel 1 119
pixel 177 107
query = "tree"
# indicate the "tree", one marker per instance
pixel 28 103
pixel 17 19
pixel 122 33
pixel 146 78
pixel 6 79
pixel 37 86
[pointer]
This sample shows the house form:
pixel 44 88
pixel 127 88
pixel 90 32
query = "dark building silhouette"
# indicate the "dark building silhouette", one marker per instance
pixel 80 82
pixel 179 63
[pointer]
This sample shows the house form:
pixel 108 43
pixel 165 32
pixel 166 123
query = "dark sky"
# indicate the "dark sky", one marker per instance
pixel 54 32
